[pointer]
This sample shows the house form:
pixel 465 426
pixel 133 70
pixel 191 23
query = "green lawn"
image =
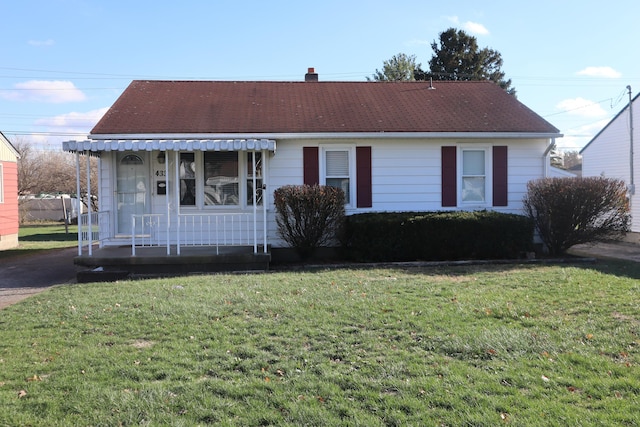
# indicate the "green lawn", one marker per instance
pixel 455 346
pixel 38 237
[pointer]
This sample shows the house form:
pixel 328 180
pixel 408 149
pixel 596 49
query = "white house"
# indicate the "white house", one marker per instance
pixel 179 160
pixel 609 154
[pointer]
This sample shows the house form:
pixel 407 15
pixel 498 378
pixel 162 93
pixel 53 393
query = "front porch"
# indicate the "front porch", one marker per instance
pixel 113 263
pixel 169 206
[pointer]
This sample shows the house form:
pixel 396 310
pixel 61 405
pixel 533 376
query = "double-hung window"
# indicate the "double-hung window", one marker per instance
pixel 474 178
pixel 337 170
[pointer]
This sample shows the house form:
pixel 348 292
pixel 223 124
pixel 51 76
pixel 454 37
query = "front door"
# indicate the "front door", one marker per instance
pixel 131 191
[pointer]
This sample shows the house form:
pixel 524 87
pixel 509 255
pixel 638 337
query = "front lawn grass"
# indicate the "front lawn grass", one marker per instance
pixel 42 236
pixel 455 346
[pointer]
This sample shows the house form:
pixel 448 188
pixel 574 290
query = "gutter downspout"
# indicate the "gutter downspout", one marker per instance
pixel 545 163
pixel 632 186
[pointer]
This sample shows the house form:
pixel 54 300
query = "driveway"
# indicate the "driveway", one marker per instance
pixel 25 275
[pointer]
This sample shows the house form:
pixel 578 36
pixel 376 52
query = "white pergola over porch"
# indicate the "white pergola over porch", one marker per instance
pixel 170 149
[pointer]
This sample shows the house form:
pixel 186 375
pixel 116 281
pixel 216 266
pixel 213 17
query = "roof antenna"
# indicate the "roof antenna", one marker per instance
pixel 431 84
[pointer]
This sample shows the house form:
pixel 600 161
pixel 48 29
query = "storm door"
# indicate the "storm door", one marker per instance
pixel 131 191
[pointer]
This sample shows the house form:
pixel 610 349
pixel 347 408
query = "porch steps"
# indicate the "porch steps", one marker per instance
pixel 117 263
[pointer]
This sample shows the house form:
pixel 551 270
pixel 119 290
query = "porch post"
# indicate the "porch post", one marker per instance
pixel 100 237
pixel 255 207
pixel 177 198
pixel 265 158
pixel 78 203
pixel 166 199
pixel 89 222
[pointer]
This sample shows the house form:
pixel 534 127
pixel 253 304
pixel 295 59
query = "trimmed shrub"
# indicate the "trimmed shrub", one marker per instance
pixel 309 217
pixel 437 236
pixel 569 211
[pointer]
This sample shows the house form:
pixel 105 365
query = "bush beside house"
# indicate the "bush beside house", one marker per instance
pixel 437 236
pixel 570 211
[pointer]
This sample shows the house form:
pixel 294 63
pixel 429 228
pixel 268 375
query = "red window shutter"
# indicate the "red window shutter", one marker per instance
pixel 449 177
pixel 311 165
pixel 363 177
pixel 500 176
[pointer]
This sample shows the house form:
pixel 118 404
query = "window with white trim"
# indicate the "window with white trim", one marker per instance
pixel 473 176
pixel 337 170
pixel 213 179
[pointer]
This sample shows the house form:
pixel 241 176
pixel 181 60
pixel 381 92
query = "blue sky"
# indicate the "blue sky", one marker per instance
pixel 64 62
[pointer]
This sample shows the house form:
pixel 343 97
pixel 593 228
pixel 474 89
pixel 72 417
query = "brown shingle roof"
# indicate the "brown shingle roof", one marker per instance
pixel 222 107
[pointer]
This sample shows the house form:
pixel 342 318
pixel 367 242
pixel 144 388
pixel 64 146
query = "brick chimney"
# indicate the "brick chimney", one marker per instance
pixel 311 75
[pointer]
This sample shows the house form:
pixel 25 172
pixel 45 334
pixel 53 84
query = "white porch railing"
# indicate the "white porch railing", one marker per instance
pixel 145 232
pixel 215 229
pixel 92 227
pixel 192 230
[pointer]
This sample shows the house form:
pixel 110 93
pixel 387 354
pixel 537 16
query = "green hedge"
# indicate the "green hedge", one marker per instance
pixel 436 236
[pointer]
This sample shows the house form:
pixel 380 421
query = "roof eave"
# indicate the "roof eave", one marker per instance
pixel 331 135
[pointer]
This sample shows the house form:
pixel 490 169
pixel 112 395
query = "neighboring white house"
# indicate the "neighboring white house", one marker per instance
pixel 184 157
pixel 608 154
pixel 9 218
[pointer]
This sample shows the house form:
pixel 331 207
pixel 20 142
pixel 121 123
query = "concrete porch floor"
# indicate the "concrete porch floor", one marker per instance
pixel 112 263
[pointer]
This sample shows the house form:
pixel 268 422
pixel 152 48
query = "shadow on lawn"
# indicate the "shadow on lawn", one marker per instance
pixel 620 268
pixel 50 237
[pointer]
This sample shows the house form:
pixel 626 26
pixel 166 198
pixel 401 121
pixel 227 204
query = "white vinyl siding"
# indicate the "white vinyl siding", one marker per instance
pixel 608 155
pixel 406 174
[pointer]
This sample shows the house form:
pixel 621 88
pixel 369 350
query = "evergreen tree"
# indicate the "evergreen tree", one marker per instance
pixel 400 67
pixel 458 57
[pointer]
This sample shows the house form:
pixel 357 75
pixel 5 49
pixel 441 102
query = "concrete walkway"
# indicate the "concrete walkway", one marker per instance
pixel 25 275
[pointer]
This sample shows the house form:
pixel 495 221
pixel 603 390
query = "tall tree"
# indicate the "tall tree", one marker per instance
pixel 400 67
pixel 458 57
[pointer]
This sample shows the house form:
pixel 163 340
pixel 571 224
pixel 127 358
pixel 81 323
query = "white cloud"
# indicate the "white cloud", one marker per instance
pixel 475 28
pixel 63 127
pixel 48 42
pixel 577 137
pixel 73 122
pixel 469 26
pixel 604 72
pixel 582 107
pixel 49 91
